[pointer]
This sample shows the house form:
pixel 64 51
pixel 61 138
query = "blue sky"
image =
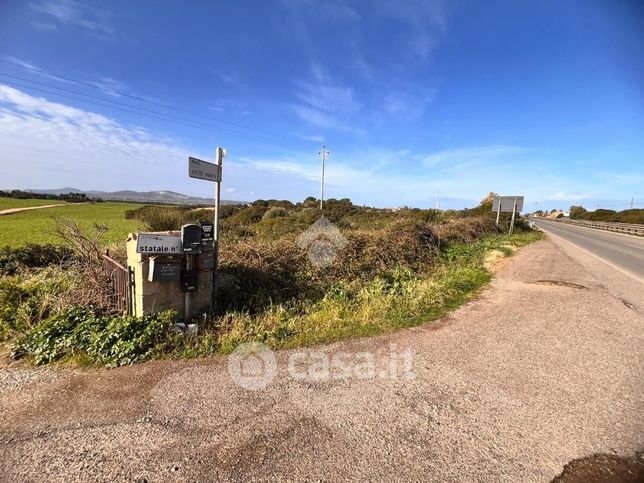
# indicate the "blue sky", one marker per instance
pixel 414 98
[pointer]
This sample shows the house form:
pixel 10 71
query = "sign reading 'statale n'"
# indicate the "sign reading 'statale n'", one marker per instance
pixel 158 244
pixel 200 169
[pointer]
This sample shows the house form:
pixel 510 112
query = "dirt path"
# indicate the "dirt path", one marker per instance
pixel 545 368
pixel 11 211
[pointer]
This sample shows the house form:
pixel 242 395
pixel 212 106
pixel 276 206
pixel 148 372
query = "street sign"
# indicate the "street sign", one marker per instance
pixel 209 232
pixel 158 244
pixel 200 169
pixel 507 203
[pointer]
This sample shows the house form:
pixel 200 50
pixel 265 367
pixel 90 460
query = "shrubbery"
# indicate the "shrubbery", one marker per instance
pixel 395 268
pixel 32 256
pixel 166 218
pixel 635 215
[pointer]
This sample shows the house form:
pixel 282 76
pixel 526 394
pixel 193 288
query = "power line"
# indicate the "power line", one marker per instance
pixel 158 116
pixel 151 101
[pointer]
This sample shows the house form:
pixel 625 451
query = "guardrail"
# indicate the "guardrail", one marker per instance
pixel 629 228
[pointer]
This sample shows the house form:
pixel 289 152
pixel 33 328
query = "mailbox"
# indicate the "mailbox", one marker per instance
pixel 191 239
pixel 189 281
pixel 163 269
pixel 207 235
pixel 206 261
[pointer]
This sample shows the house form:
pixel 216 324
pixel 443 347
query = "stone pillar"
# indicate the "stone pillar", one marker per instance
pixel 156 296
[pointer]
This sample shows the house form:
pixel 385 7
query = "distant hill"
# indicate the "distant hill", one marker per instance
pixel 163 196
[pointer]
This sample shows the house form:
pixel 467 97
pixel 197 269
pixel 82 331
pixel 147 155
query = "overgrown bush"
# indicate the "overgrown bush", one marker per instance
pixel 394 268
pixel 275 212
pixel 247 216
pixel 168 218
pixel 32 256
pixel 635 215
pixel 28 299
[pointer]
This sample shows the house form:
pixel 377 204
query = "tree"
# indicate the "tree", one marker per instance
pixel 577 212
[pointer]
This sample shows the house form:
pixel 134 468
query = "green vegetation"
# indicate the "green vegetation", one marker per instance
pixel 26 195
pixel 396 268
pixel 635 215
pixel 108 340
pixel 8 203
pixel 37 226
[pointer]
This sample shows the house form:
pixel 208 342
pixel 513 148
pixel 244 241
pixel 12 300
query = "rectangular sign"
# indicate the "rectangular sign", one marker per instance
pixel 200 169
pixel 160 271
pixel 507 203
pixel 158 244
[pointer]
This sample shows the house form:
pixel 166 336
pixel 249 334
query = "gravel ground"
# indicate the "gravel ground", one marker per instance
pixel 544 368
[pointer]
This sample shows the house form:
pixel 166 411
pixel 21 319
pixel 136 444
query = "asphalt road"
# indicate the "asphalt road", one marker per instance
pixel 545 367
pixel 624 252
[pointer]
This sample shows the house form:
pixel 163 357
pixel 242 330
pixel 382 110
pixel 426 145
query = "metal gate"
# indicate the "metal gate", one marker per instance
pixel 122 284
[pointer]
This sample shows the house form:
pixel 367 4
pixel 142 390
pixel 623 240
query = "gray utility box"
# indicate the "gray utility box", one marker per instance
pixel 206 262
pixel 191 239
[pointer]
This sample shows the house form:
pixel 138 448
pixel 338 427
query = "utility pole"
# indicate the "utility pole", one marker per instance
pixel 632 201
pixel 324 153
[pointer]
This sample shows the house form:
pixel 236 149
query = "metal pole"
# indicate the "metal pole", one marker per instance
pixel 514 212
pixel 219 156
pixel 186 296
pixel 498 212
pixel 323 153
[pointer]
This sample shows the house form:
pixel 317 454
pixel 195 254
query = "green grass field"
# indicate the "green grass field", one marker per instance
pixel 37 226
pixel 8 203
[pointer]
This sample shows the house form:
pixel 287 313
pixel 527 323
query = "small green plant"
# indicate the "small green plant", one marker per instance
pixel 108 340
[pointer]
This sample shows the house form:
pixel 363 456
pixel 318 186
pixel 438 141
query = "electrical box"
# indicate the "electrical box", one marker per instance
pixel 207 235
pixel 189 281
pixel 206 261
pixel 162 269
pixel 191 239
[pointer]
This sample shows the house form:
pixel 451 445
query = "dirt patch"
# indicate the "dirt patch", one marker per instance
pixel 495 260
pixel 561 283
pixel 603 468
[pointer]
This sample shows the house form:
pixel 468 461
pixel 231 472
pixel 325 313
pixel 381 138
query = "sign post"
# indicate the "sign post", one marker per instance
pixel 514 212
pixel 498 215
pixel 513 204
pixel 200 169
pixel 219 157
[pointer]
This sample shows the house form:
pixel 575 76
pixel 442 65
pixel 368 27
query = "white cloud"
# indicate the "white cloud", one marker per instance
pixel 426 21
pixel 47 144
pixel 326 103
pixel 44 142
pixel 406 105
pixel 492 154
pixel 386 177
pixel 563 196
pixel 329 9
pixel 321 92
pixel 72 13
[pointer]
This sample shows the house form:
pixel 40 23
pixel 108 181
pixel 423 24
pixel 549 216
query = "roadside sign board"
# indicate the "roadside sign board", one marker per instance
pixel 200 169
pixel 507 203
pixel 158 244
